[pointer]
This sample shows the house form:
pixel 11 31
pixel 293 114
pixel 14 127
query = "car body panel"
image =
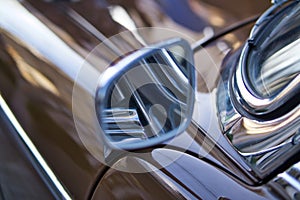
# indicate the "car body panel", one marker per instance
pixel 186 178
pixel 20 174
pixel 40 64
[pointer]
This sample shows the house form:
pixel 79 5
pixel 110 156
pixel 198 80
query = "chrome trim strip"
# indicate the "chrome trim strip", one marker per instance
pixel 296 166
pixel 33 148
pixel 290 179
pixel 287 183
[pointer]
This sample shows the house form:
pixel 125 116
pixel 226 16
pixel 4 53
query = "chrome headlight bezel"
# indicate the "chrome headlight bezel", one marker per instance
pixel 262 129
pixel 244 91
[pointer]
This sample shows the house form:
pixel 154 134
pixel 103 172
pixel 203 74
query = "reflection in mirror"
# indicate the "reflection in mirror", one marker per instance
pixel 150 99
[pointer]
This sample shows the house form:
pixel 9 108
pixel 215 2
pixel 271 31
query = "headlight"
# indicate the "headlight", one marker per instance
pixel 268 73
pixel 263 112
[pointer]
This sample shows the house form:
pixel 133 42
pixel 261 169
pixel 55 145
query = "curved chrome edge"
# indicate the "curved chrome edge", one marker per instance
pixel 253 103
pixel 257 105
pixel 287 183
pixel 23 135
pixel 285 124
pixel 271 149
pixel 228 115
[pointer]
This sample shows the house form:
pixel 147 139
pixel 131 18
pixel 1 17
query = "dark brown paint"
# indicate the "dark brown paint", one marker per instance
pixel 48 119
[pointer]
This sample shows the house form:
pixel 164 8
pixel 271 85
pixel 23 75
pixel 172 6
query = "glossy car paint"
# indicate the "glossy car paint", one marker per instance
pixel 20 174
pixel 38 68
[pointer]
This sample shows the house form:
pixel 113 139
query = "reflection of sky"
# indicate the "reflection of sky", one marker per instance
pixel 181 12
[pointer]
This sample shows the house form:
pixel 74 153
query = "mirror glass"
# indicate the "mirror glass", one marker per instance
pixel 147 97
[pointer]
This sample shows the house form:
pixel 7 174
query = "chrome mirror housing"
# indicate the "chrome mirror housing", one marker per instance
pixel 147 97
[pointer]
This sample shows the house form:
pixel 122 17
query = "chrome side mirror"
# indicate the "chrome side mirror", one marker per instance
pixel 147 97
